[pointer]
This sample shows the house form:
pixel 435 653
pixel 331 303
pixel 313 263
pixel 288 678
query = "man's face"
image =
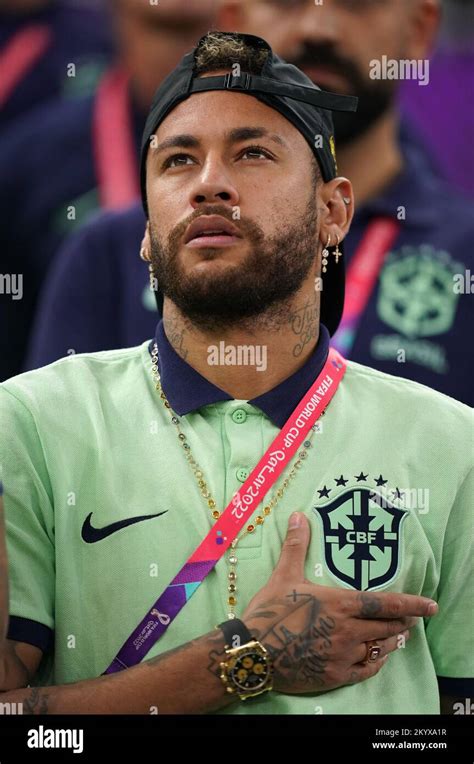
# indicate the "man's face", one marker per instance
pixel 230 156
pixel 333 43
pixel 154 38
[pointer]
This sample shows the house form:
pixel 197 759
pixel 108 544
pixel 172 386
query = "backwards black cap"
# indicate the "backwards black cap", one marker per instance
pixel 289 91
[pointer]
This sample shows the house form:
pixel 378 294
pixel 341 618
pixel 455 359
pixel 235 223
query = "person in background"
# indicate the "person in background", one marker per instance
pixel 451 70
pixel 409 320
pixel 60 164
pixel 49 49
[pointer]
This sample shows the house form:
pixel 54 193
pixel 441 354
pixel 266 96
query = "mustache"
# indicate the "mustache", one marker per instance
pixel 246 227
pixel 326 55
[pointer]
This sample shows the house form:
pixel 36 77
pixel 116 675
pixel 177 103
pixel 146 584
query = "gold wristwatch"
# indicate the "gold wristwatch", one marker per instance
pixel 248 670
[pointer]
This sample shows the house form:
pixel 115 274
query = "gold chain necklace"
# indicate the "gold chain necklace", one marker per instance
pixel 206 494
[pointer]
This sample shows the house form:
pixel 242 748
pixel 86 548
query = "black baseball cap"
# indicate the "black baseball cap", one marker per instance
pixel 289 91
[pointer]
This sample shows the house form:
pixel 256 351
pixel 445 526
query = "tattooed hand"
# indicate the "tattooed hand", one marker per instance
pixel 316 634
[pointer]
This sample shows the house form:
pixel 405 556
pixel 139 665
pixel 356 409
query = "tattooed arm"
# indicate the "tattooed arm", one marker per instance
pixel 181 681
pixel 315 634
pixel 184 680
pixel 18 661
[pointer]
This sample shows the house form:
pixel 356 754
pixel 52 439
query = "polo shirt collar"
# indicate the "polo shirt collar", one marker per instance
pixel 187 390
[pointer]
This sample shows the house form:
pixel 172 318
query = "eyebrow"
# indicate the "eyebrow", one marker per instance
pixel 238 134
pixel 248 133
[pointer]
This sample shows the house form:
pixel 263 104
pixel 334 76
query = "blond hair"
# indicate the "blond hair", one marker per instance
pixel 218 50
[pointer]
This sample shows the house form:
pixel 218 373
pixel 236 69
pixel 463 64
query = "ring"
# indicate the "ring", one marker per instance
pixel 373 651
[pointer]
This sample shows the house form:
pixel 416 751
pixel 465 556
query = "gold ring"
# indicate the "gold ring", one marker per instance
pixel 373 651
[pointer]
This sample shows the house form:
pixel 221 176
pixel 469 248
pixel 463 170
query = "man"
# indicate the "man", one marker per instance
pixel 60 164
pixel 416 308
pixel 49 49
pixel 117 465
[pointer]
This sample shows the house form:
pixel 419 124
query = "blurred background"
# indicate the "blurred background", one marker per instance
pixel 76 81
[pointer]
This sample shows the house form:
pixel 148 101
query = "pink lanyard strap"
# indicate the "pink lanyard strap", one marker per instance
pixel 362 275
pixel 241 506
pixel 114 146
pixel 20 55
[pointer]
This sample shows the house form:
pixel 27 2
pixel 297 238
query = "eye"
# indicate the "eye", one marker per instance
pixel 254 152
pixel 177 160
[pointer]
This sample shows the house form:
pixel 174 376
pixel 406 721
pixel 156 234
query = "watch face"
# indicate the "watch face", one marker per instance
pixel 248 671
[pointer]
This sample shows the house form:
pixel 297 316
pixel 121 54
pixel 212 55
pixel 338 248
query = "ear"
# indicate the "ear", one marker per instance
pixel 145 246
pixel 230 15
pixel 336 210
pixel 423 29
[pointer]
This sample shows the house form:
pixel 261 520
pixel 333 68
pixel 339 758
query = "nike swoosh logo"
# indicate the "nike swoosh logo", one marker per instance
pixel 90 534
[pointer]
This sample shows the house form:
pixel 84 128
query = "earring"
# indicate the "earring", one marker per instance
pixel 153 282
pixel 337 253
pixel 325 255
pixel 143 254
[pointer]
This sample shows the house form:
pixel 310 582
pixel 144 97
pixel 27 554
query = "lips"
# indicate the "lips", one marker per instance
pixel 211 228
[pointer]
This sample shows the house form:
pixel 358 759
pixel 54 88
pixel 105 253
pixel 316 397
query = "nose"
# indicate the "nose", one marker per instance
pixel 315 23
pixel 213 185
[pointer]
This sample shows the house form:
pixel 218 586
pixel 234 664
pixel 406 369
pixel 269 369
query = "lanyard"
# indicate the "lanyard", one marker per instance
pixel 241 506
pixel 20 55
pixel 362 274
pixel 113 141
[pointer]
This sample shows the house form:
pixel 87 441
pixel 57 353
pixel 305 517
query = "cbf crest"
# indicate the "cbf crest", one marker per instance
pixel 361 530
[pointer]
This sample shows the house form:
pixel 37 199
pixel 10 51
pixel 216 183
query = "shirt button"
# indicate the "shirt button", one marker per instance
pixel 242 474
pixel 239 416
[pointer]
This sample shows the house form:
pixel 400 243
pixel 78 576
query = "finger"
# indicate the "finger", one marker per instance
pixel 290 566
pixel 359 672
pixel 393 605
pixel 386 646
pixel 366 630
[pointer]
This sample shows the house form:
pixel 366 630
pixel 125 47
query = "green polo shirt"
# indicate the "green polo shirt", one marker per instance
pixel 387 487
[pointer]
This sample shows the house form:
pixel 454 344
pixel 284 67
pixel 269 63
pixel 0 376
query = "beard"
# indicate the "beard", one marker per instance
pixel 375 96
pixel 257 290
